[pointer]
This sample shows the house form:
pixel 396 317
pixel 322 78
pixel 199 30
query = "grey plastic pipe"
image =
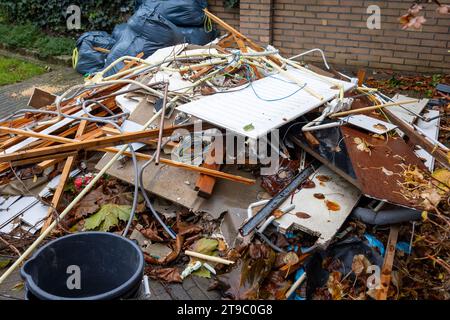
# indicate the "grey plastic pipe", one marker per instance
pixel 385 217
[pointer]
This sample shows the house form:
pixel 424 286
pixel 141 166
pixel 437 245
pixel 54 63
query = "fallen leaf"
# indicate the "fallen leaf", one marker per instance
pixel 248 273
pixel 278 213
pixel 166 274
pixel 222 245
pixel 380 127
pixel 333 206
pixel 152 234
pixel 249 127
pixel 18 286
pixel 302 215
pixel 290 258
pixel 378 136
pixel 308 184
pixel 4 263
pixel 386 171
pixel 107 217
pixel 323 178
pixel 362 145
pixel 205 246
pixel 275 286
pixel 424 215
pixel 334 285
pixel 360 264
pixel 320 196
pixel 443 176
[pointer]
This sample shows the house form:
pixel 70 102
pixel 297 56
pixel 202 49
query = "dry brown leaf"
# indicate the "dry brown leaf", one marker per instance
pixel 386 171
pixel 362 145
pixel 320 196
pixel 302 215
pixel 360 264
pixel 333 206
pixel 380 126
pixel 166 274
pixel 323 178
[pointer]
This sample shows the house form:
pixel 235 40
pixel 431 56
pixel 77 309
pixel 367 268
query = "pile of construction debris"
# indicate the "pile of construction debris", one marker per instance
pixel 276 179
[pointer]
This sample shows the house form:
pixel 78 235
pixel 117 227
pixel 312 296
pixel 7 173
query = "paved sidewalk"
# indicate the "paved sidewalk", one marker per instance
pixel 15 96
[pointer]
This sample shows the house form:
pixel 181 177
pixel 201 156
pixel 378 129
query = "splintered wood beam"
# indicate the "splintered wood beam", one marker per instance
pixel 388 263
pixel 56 159
pixel 361 75
pixel 121 139
pixel 371 108
pixel 209 172
pixel 29 133
pixel 205 184
pixel 65 174
pixel 236 34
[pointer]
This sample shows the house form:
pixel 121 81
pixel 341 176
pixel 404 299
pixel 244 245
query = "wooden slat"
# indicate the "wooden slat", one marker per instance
pixel 63 180
pixel 388 263
pixel 94 143
pixel 205 184
pixel 57 157
pixel 209 172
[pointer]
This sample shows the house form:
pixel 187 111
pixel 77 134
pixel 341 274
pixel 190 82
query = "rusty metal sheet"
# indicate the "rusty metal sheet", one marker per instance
pixel 331 152
pixel 378 170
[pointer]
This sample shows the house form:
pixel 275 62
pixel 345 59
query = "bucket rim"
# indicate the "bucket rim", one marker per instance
pixel 114 293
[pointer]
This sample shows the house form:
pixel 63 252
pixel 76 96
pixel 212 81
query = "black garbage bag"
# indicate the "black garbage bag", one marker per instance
pixel 137 4
pixel 156 29
pixel 198 35
pixel 343 252
pixel 184 13
pixel 128 44
pixel 146 31
pixel 89 59
pixel 118 29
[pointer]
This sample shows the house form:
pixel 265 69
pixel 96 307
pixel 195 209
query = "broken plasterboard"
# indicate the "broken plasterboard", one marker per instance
pixel 431 130
pixel 29 208
pixel 321 210
pixel 158 56
pixel 370 124
pixel 266 104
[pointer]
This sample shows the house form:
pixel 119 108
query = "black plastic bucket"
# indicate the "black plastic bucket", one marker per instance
pixel 85 266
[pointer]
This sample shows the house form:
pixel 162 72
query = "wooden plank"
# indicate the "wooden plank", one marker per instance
pixel 41 98
pixel 371 108
pixel 64 176
pixel 311 139
pixel 57 158
pixel 235 33
pixel 96 143
pixel 205 184
pixel 209 172
pixel 388 263
pixel 361 75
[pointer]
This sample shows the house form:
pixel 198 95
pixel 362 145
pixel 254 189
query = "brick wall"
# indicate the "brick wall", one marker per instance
pixel 339 28
pixel 229 15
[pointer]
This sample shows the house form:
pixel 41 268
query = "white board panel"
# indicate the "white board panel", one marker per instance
pixel 238 109
pixel 322 222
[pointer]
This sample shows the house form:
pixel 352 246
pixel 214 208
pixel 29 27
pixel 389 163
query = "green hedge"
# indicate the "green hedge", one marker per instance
pixel 29 36
pixel 51 15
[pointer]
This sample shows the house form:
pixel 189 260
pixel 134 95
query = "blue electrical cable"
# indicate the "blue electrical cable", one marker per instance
pixel 269 100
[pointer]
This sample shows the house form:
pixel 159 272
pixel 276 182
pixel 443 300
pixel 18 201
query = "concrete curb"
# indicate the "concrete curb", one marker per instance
pixel 64 60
